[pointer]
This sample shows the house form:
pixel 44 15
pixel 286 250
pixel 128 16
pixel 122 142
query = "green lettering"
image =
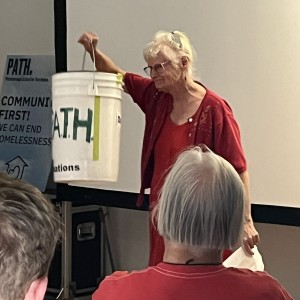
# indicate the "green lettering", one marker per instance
pixel 55 125
pixel 83 123
pixel 66 119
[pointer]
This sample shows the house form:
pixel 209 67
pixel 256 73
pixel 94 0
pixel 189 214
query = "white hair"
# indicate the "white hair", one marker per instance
pixel 202 201
pixel 175 45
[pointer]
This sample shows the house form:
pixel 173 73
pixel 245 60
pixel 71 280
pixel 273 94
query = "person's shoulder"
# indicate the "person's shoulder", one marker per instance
pixel 111 286
pixel 118 274
pixel 214 104
pixel 215 99
pixel 123 285
pixel 260 276
pixel 123 275
pixel 248 272
pixel 131 77
pixel 138 86
pixel 261 279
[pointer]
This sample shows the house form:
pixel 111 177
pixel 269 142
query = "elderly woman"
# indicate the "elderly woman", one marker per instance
pixel 200 213
pixel 179 112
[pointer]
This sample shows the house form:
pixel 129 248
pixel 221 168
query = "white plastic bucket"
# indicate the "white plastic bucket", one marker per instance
pixel 86 126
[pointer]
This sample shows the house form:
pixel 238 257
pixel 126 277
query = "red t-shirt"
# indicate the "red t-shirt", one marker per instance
pixel 177 282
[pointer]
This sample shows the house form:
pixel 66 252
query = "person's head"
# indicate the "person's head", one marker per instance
pixel 169 50
pixel 29 231
pixel 201 202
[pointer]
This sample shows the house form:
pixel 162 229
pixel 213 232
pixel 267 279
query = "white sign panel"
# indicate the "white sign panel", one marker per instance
pixel 25 118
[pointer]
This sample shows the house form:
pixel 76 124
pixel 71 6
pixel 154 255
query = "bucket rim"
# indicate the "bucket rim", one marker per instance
pixel 86 72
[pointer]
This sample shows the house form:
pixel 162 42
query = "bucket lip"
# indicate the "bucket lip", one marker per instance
pixel 58 97
pixel 96 73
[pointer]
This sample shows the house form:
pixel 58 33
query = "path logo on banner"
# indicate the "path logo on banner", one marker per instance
pixel 26 118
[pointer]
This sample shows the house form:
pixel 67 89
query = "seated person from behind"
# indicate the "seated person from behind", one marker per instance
pixel 29 231
pixel 200 213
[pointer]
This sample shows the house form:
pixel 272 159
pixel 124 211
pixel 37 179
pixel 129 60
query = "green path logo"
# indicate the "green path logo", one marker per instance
pixel 62 127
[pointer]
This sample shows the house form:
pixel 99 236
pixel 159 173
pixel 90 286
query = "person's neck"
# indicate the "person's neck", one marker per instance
pixel 179 254
pixel 188 91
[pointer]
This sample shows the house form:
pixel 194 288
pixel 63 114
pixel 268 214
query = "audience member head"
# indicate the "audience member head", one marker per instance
pixel 202 202
pixel 29 231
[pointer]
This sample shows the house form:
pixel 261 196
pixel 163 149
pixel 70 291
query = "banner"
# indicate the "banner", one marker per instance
pixel 25 118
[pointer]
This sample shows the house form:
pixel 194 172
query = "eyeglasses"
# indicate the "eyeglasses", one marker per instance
pixel 158 68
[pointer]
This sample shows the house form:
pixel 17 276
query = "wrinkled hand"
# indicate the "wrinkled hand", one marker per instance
pixel 89 40
pixel 251 236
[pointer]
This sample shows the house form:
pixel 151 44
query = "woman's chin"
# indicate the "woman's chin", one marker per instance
pixel 159 87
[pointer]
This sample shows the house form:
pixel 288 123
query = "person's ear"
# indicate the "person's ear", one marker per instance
pixel 184 61
pixel 37 289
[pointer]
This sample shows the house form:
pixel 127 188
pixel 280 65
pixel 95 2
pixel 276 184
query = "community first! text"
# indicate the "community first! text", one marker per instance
pixel 17 115
pixel 12 102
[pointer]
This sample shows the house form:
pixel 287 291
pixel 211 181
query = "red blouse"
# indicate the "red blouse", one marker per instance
pixel 172 140
pixel 214 126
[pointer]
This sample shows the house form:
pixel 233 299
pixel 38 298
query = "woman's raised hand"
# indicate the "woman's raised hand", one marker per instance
pixel 89 41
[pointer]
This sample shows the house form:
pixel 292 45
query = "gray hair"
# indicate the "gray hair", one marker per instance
pixel 202 201
pixel 29 230
pixel 175 45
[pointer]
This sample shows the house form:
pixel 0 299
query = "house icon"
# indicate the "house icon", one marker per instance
pixel 15 167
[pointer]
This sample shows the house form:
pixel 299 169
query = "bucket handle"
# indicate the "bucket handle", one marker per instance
pixel 91 89
pixel 83 62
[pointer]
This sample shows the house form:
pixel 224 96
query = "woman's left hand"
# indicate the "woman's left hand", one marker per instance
pixel 251 236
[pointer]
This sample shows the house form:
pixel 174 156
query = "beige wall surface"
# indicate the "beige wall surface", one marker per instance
pixel 248 52
pixel 265 48
pixel 26 27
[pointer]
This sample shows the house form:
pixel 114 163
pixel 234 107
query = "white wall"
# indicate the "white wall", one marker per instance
pixel 26 27
pixel 248 52
pixel 129 238
pixel 280 249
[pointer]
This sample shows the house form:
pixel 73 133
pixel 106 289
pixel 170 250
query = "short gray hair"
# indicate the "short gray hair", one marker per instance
pixel 174 45
pixel 29 230
pixel 202 201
